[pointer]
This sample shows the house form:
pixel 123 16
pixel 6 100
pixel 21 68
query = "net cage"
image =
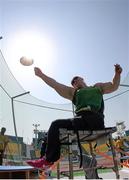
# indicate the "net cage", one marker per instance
pixel 19 109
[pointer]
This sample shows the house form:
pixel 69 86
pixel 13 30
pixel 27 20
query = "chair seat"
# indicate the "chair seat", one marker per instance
pixel 84 135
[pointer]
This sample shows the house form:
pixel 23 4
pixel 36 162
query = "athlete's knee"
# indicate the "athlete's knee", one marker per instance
pixel 55 123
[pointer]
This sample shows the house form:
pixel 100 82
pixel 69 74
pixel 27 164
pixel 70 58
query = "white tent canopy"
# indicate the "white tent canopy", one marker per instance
pixel 28 110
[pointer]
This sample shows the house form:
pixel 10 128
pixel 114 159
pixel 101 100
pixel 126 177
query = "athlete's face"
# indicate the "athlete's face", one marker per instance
pixel 78 82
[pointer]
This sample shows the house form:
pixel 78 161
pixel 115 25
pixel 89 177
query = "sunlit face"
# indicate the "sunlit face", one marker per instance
pixel 78 82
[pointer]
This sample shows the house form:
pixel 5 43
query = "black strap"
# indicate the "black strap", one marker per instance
pixel 80 148
pixel 78 140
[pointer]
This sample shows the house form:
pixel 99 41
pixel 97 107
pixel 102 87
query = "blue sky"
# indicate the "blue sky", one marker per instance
pixel 65 38
pixel 84 37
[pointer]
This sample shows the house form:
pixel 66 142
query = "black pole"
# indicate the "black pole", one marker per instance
pixel 124 85
pixel 14 120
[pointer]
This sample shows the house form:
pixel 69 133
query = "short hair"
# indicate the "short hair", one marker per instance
pixel 3 129
pixel 74 79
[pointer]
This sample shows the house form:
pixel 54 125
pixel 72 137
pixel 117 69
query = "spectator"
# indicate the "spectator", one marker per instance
pixel 3 144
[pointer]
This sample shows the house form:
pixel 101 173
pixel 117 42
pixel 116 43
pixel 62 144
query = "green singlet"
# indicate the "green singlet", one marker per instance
pixel 88 99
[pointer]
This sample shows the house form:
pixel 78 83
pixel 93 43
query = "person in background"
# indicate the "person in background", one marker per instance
pixel 43 145
pixel 3 144
pixel 87 100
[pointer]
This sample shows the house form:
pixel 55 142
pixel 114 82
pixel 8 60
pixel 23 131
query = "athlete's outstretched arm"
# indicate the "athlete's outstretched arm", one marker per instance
pixel 63 90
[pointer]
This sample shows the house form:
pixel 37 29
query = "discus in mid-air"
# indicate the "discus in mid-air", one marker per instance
pixel 25 61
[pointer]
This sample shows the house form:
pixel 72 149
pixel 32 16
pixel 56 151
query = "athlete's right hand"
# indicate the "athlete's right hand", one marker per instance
pixel 38 71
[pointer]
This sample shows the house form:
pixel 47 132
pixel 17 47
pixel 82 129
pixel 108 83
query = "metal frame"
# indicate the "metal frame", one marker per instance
pixel 67 137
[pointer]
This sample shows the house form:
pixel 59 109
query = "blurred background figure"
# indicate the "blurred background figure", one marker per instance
pixel 43 146
pixel 3 143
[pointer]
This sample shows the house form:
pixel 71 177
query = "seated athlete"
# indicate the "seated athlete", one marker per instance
pixel 87 101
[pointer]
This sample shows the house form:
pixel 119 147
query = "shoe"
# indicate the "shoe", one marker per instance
pixel 39 163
